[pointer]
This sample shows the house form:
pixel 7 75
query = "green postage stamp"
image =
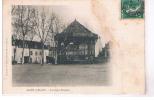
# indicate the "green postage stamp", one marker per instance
pixel 132 9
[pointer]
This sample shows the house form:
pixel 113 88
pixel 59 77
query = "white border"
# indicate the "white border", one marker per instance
pixel 149 44
pixel 1 46
pixel 149 61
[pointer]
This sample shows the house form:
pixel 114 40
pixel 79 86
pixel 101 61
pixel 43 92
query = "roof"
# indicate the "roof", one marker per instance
pixel 29 44
pixel 75 29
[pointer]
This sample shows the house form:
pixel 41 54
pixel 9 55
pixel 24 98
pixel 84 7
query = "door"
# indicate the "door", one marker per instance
pixel 26 59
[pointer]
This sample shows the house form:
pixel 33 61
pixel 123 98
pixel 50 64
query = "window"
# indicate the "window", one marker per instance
pixel 35 46
pixel 40 53
pixel 71 43
pixel 31 53
pixel 26 45
pixel 83 46
pixel 62 44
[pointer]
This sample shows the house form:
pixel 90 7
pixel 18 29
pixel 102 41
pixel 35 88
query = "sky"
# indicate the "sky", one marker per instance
pixel 81 12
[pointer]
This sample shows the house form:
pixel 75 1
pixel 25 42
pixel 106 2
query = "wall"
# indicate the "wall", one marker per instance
pixel 36 57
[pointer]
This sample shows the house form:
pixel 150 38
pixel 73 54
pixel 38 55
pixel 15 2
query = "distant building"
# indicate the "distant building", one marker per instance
pixel 76 44
pixel 35 54
pixel 98 46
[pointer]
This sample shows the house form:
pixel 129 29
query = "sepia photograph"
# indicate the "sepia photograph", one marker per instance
pixel 74 46
pixel 51 47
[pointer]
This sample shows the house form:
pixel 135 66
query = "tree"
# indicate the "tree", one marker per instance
pixel 30 37
pixel 47 26
pixel 58 26
pixel 15 33
pixel 22 22
pixel 44 26
pixel 32 33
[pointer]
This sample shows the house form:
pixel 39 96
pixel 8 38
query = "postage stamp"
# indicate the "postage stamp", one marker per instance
pixel 132 9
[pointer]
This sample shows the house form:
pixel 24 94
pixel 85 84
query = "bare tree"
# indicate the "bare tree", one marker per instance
pixel 16 35
pixel 44 26
pixel 47 26
pixel 22 22
pixel 58 26
pixel 32 33
pixel 30 37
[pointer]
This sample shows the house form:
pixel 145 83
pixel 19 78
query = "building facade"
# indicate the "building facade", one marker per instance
pixel 76 44
pixel 32 52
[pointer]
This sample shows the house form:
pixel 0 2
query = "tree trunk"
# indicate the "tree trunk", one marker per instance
pixel 42 53
pixel 55 53
pixel 29 56
pixel 15 49
pixel 23 44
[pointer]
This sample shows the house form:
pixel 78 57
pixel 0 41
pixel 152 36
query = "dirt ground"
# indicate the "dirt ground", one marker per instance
pixel 60 75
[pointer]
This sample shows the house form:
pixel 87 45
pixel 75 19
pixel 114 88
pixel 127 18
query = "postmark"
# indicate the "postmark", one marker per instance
pixel 132 9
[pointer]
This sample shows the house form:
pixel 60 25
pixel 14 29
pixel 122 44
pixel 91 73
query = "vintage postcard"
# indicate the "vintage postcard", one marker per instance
pixel 73 46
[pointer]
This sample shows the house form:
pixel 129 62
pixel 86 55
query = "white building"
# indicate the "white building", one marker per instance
pixel 32 52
